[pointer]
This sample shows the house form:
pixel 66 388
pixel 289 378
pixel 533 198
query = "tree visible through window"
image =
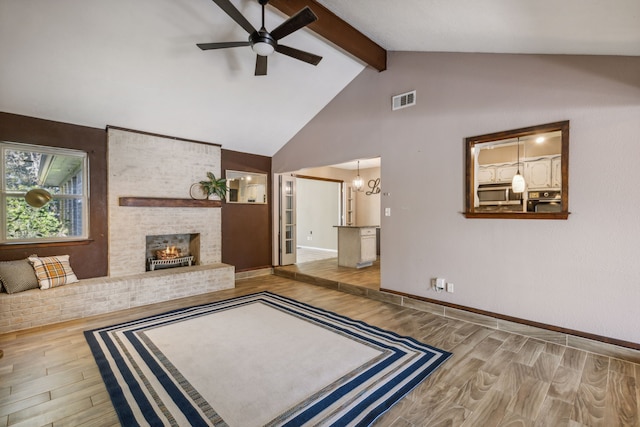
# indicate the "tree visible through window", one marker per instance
pixel 60 172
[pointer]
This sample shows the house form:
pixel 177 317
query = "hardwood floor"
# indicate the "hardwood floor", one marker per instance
pixel 48 376
pixel 310 254
pixel 328 268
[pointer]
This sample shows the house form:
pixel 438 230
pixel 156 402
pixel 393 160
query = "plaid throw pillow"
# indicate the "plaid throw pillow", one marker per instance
pixel 53 271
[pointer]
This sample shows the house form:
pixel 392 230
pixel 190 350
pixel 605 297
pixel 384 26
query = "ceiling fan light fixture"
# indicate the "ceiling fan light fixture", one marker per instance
pixel 263 48
pixel 262 43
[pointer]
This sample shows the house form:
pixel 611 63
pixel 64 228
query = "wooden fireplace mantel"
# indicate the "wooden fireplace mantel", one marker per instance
pixel 162 202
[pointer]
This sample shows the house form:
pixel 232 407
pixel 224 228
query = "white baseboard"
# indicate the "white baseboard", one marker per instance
pixel 317 249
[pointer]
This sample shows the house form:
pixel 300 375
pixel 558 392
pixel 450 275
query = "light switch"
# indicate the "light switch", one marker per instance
pixel 387 211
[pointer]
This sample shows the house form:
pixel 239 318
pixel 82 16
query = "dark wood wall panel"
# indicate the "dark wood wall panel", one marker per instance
pixel 247 228
pixel 88 258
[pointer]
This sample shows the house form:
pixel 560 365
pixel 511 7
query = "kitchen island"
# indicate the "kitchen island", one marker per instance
pixel 356 245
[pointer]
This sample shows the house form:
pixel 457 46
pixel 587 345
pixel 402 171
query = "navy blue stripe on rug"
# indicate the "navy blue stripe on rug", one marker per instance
pixel 316 409
pixel 184 404
pixel 115 391
pixel 382 391
pixel 125 415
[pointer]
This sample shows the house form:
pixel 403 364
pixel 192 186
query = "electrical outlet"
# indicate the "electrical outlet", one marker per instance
pixel 440 284
pixel 450 287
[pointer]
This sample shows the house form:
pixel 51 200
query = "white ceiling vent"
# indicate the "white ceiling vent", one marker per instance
pixel 403 100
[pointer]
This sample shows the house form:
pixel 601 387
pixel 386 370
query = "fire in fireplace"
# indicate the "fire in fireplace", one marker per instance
pixel 170 253
pixel 172 250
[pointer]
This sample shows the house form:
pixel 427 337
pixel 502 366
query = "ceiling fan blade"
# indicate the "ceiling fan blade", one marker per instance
pixel 222 45
pixel 297 21
pixel 235 14
pixel 261 65
pixel 299 54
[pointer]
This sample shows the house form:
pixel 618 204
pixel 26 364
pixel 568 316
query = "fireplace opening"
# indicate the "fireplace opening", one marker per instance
pixel 172 250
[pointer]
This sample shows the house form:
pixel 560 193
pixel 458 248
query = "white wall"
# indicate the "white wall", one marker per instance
pixel 368 205
pixel 317 212
pixel 581 273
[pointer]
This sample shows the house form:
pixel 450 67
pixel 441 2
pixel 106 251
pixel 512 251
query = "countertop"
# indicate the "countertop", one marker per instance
pixel 357 226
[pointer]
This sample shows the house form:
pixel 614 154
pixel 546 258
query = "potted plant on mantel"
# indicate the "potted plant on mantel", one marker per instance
pixel 214 187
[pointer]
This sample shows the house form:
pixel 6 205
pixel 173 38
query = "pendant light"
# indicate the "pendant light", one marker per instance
pixel 517 185
pixel 37 197
pixel 358 182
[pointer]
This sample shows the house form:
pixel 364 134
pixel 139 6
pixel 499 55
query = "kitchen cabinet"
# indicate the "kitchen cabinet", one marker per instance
pixel 539 173
pixel 497 173
pixel 486 174
pixel 505 173
pixel 556 173
pixel 543 173
pixel 356 246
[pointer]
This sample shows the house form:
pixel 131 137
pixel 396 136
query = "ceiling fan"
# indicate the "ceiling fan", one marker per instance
pixel 264 42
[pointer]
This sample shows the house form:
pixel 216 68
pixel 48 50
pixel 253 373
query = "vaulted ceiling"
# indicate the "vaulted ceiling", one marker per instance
pixel 135 64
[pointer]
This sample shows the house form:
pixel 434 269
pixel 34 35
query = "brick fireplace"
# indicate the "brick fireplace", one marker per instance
pixel 150 166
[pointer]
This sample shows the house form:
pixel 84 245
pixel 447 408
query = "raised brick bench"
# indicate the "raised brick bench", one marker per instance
pixel 101 295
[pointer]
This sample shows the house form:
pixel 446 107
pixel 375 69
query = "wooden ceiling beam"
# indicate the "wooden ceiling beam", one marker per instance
pixel 337 31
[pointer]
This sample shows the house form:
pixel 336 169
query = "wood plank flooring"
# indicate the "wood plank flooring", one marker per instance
pixel 312 254
pixel 49 378
pixel 328 268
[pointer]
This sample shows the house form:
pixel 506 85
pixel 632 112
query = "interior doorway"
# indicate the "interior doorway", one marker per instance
pixel 316 235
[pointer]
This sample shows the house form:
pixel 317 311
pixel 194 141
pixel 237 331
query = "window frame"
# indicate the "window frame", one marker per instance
pixel 83 196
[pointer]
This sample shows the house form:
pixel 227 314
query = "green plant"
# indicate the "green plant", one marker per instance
pixel 214 186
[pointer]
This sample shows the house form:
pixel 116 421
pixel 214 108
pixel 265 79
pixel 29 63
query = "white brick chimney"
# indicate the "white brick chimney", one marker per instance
pixel 144 165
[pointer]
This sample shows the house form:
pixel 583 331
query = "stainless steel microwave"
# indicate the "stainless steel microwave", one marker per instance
pixel 498 195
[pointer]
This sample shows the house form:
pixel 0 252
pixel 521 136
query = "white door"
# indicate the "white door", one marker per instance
pixel 287 220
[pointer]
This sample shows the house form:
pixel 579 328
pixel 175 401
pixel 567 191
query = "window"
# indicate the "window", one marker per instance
pixel 63 174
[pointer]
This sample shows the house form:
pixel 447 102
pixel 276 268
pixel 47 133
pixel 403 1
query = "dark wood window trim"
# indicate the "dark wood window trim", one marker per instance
pixel 317 178
pixel 529 215
pixel 470 143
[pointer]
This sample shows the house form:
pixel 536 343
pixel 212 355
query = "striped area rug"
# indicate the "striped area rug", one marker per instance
pixel 256 360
